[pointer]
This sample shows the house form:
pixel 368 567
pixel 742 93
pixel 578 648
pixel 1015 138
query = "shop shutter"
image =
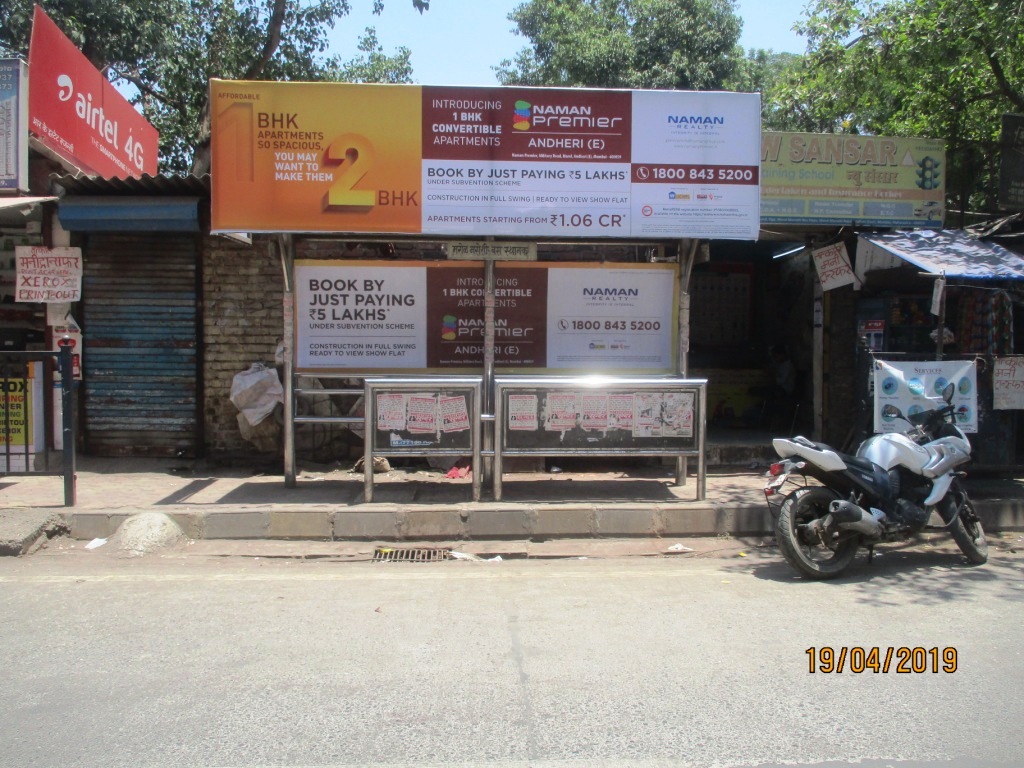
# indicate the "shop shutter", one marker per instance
pixel 140 362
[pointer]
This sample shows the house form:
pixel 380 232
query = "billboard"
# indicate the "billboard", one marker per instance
pixel 417 316
pixel 464 161
pixel 840 179
pixel 13 126
pixel 76 113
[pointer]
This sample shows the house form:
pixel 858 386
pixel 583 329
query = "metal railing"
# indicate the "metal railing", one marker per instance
pixel 19 455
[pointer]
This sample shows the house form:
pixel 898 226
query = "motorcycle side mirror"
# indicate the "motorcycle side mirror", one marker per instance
pixel 890 411
pixel 948 392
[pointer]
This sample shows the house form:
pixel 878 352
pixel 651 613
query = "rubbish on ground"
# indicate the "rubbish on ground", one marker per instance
pixel 475 558
pixel 679 548
pixel 555 470
pixel 380 464
pixel 95 543
pixel 460 469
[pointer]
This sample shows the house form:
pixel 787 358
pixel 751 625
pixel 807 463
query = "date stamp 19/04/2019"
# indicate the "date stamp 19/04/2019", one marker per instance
pixel 903 660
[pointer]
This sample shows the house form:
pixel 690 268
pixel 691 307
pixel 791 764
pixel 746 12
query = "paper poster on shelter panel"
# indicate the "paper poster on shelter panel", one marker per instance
pixel 430 316
pixel 460 161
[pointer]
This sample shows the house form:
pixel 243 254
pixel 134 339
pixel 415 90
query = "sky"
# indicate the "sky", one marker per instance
pixel 457 42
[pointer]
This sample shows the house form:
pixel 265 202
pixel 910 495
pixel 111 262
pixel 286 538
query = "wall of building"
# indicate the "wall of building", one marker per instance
pixel 241 324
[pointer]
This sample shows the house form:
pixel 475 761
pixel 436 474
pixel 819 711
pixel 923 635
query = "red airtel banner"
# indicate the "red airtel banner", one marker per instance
pixel 75 111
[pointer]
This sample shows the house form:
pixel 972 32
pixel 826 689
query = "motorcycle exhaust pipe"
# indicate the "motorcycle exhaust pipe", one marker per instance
pixel 850 517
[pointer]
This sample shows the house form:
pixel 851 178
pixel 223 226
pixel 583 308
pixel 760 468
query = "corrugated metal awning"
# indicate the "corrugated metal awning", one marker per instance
pixel 949 251
pixel 129 214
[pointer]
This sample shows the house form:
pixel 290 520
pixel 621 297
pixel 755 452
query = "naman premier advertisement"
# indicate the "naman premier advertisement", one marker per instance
pixel 462 161
pixel 352 316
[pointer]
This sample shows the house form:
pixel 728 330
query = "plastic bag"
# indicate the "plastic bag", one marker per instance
pixel 256 391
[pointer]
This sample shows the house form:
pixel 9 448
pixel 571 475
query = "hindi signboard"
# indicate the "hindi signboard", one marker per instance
pixel 832 264
pixel 1008 383
pixel 466 161
pixel 48 275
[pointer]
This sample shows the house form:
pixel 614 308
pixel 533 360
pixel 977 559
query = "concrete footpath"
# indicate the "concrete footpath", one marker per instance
pixel 412 505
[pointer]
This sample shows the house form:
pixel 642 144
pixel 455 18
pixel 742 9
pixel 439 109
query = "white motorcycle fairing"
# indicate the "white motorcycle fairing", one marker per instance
pixel 934 460
pixel 823 457
pixel 894 450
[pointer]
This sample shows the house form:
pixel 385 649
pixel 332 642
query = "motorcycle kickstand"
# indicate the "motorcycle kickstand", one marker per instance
pixel 871 553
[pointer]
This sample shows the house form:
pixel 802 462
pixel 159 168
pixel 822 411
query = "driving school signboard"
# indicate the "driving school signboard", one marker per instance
pixel 837 179
pixel 425 316
pixel 460 161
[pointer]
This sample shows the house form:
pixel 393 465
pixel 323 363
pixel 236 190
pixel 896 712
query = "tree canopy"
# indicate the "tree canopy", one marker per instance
pixel 932 68
pixel 686 44
pixel 169 49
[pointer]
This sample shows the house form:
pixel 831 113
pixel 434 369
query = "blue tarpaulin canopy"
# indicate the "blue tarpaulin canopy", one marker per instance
pixel 947 251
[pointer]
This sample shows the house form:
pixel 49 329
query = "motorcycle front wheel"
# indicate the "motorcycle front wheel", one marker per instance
pixel 803 548
pixel 966 528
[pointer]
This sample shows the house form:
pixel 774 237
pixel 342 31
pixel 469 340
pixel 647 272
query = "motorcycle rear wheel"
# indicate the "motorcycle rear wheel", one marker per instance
pixel 813 559
pixel 966 529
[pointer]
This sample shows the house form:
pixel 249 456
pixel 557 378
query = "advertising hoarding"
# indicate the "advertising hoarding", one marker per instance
pixel 426 316
pixel 837 179
pixel 463 161
pixel 13 126
pixel 76 113
pixel 917 386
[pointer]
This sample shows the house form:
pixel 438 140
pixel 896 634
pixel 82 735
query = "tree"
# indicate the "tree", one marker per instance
pixel 685 44
pixel 932 68
pixel 766 72
pixel 169 49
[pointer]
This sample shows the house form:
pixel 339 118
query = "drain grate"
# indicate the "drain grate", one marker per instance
pixel 411 555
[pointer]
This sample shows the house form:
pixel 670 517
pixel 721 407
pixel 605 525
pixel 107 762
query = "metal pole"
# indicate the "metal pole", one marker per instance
pixel 286 253
pixel 488 394
pixel 687 256
pixel 67 407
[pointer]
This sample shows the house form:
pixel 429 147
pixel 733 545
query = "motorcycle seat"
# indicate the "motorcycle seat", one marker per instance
pixel 856 461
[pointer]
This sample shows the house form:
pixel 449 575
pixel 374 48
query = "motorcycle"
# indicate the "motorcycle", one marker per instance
pixel 886 492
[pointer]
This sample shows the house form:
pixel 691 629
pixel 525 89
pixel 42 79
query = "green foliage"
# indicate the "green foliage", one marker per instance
pixel 766 72
pixel 685 44
pixel 170 49
pixel 932 68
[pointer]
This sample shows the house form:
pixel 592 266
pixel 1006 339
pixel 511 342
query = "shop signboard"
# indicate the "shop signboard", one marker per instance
pixel 21 427
pixel 483 162
pixel 76 112
pixel 13 126
pixel 1008 383
pixel 840 179
pixel 429 316
pixel 832 264
pixel 914 387
pixel 48 275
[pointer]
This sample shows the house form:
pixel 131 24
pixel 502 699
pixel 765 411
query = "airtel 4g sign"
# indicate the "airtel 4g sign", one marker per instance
pixel 79 115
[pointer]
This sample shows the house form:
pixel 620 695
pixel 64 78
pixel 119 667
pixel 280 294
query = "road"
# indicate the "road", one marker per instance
pixel 188 660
